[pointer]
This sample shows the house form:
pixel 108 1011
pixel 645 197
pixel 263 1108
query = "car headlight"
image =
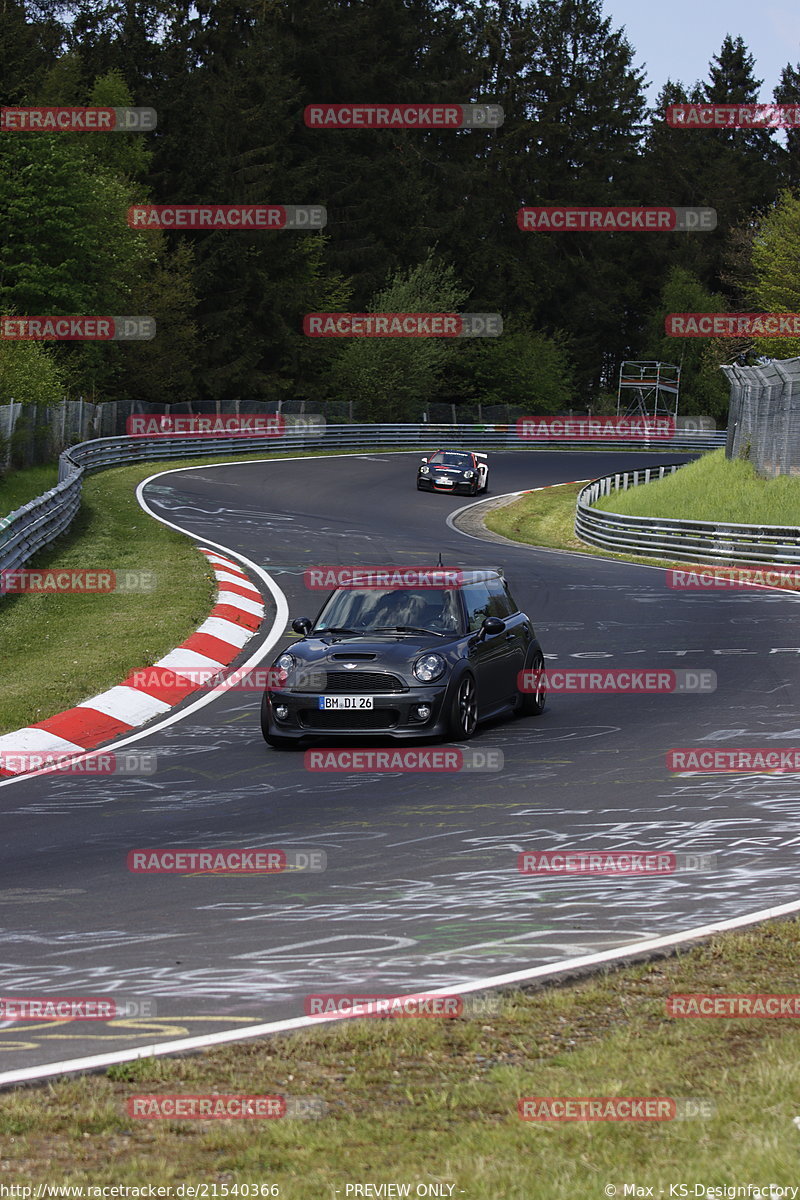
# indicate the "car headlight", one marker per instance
pixel 424 471
pixel 429 667
pixel 468 474
pixel 286 662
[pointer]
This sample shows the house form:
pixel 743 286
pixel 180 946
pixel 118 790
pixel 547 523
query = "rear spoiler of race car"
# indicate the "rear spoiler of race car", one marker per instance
pixel 483 456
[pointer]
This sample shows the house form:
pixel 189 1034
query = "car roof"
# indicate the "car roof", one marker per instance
pixel 480 574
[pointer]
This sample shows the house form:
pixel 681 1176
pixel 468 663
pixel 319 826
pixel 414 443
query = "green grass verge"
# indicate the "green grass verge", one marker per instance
pixel 421 1101
pixel 547 518
pixel 58 650
pixel 713 488
pixel 19 487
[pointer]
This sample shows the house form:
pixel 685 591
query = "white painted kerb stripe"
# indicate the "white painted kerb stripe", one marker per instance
pixel 32 740
pixel 226 631
pixel 237 601
pixel 128 704
pixel 190 663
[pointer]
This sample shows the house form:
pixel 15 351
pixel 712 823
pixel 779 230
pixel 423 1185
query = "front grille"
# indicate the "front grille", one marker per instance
pixel 367 683
pixel 376 718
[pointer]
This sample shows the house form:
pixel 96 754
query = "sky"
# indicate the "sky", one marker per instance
pixel 676 39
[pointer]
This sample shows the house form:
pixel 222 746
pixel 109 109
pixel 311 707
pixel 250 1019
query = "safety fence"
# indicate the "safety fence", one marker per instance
pixel 764 420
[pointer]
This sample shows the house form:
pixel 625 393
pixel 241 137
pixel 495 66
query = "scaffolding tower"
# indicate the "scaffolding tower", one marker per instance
pixel 648 389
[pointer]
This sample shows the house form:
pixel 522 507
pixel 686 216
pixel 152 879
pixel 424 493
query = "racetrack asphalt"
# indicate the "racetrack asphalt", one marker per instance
pixel 421 888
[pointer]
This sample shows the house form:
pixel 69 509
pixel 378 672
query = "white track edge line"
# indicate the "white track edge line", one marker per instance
pixel 631 950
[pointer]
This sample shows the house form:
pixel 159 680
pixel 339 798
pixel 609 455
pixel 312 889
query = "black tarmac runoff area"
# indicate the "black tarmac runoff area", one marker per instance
pixel 421 888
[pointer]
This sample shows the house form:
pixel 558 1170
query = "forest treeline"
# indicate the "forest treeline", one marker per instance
pixel 417 221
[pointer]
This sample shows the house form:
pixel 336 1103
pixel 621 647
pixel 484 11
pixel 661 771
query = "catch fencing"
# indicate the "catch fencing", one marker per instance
pixel 764 421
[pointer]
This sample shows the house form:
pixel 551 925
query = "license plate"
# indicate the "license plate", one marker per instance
pixel 346 702
pixel 443 479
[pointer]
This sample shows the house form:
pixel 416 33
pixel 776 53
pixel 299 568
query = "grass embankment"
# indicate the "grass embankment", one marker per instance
pixel 713 488
pixel 709 489
pixel 545 517
pixel 58 649
pixel 424 1101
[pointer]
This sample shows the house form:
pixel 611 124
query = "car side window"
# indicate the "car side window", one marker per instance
pixel 500 602
pixel 478 604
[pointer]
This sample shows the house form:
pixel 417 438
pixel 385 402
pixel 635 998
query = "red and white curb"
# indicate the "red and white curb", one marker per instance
pixel 235 617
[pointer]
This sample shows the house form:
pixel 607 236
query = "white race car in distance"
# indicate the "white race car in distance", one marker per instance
pixel 454 471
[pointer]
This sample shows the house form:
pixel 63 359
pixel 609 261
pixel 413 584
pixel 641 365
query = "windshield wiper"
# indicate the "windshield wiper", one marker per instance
pixel 407 629
pixel 337 629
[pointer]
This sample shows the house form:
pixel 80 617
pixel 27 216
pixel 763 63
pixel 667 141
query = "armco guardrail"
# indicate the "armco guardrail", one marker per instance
pixel 693 541
pixel 35 525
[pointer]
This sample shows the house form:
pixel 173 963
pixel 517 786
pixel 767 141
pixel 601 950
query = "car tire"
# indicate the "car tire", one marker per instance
pixel 474 491
pixel 280 743
pixel 462 719
pixel 532 704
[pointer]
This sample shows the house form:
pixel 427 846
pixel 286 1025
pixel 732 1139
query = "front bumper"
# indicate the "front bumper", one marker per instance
pixel 426 484
pixel 391 715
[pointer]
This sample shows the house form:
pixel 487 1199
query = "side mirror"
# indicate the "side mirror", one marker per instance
pixel 301 625
pixel 424 461
pixel 492 626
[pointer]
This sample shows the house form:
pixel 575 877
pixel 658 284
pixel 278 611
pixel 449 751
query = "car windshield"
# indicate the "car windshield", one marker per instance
pixel 446 458
pixel 367 610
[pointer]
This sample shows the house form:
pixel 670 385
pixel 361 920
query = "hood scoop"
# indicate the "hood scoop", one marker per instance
pixel 354 657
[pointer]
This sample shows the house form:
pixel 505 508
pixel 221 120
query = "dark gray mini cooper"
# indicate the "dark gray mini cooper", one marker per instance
pixel 405 662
